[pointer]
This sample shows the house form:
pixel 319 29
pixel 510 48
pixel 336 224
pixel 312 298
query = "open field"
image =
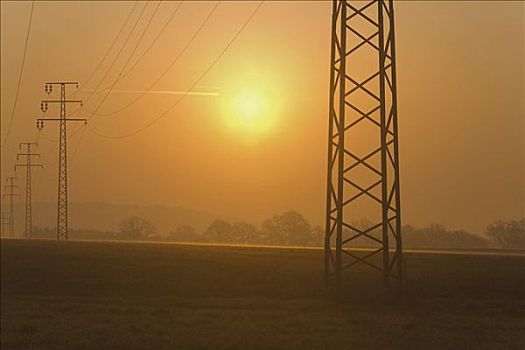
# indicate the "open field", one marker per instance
pixel 84 295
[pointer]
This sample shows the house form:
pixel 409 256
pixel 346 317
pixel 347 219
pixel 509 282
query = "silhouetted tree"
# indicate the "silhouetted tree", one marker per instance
pixel 243 232
pixel 271 231
pixel 508 234
pixel 289 227
pixel 185 233
pixel 437 236
pixel 318 235
pixel 219 231
pixel 137 227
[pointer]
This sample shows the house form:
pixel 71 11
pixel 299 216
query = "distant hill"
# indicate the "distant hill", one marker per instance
pixel 105 216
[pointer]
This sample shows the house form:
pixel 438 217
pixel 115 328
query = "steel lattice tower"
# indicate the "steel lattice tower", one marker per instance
pixel 363 154
pixel 11 194
pixel 28 165
pixel 62 228
pixel 4 221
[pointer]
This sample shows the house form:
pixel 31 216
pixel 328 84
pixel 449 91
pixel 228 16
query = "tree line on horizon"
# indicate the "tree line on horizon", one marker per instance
pixel 291 228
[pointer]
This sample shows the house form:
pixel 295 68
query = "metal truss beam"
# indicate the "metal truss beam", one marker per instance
pixel 363 151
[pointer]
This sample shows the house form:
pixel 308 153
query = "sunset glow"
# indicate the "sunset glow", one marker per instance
pixel 250 112
pixel 262 174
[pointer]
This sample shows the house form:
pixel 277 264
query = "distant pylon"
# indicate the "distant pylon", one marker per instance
pixel 4 221
pixel 28 233
pixel 363 154
pixel 62 223
pixel 10 186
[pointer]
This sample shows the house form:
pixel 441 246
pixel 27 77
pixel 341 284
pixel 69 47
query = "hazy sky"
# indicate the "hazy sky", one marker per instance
pixel 461 106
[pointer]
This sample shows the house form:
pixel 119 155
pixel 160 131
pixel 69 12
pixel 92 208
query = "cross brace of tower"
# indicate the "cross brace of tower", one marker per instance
pixel 62 218
pixel 10 187
pixel 363 198
pixel 28 228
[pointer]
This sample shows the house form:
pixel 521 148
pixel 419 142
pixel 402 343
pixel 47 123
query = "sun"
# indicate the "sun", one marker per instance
pixel 250 112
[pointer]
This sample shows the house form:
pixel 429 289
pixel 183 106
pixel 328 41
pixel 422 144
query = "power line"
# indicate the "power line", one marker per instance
pixel 192 39
pixel 128 60
pixel 105 56
pixel 184 49
pixel 41 133
pixel 21 73
pixel 170 19
pixel 113 85
pixel 82 130
pixel 85 82
pixel 118 54
pixel 214 62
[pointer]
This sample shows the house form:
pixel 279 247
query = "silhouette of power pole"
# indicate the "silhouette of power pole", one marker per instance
pixel 10 186
pixel 62 232
pixel 29 215
pixel 363 153
pixel 4 220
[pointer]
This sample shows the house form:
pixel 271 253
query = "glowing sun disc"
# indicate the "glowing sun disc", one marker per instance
pixel 250 112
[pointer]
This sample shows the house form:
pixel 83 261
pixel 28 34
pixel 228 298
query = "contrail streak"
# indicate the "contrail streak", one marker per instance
pixel 159 92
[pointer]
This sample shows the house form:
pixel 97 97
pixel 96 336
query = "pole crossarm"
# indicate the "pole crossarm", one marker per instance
pixel 363 205
pixel 63 83
pixel 27 154
pixel 59 101
pixel 28 165
pixel 67 119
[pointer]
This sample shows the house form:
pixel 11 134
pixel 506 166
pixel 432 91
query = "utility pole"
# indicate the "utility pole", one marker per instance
pixel 363 153
pixel 29 215
pixel 10 186
pixel 62 232
pixel 4 221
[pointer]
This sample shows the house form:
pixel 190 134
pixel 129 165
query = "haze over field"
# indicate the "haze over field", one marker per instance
pixel 461 108
pixel 109 216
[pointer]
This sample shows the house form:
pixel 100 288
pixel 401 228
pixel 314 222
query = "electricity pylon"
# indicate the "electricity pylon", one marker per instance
pixel 62 228
pixel 10 186
pixel 363 153
pixel 29 215
pixel 4 221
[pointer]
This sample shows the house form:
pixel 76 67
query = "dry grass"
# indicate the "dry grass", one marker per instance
pixel 86 295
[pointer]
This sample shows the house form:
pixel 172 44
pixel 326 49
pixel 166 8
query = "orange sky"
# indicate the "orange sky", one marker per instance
pixel 461 107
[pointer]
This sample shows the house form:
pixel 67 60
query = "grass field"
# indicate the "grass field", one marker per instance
pixel 100 295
